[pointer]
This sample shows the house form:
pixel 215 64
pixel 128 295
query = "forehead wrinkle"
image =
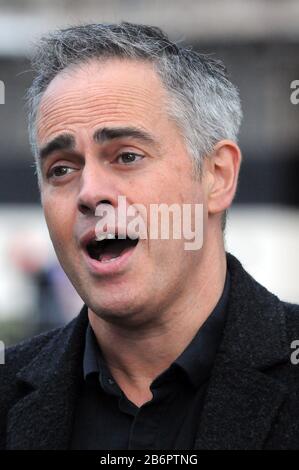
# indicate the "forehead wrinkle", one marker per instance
pixel 98 103
pixel 102 79
pixel 68 103
pixel 93 105
pixel 128 93
pixel 95 116
pixel 51 126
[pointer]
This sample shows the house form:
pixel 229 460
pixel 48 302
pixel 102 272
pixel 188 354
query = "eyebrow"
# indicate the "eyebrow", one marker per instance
pixel 110 133
pixel 61 142
pixel 67 141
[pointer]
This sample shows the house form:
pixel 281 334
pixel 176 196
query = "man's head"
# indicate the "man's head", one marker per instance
pixel 119 110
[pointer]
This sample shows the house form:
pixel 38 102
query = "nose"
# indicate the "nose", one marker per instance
pixel 97 187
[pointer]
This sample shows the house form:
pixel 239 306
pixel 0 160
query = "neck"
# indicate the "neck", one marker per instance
pixel 142 353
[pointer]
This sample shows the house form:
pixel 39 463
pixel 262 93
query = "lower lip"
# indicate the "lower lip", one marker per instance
pixel 115 266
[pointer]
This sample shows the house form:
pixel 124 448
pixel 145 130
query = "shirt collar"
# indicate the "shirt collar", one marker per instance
pixel 91 353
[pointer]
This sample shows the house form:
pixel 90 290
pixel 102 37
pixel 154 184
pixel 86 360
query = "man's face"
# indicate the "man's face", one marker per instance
pixel 86 166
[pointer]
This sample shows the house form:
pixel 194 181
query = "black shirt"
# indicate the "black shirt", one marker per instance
pixel 107 420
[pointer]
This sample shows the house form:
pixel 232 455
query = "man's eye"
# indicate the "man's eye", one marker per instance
pixel 128 157
pixel 58 171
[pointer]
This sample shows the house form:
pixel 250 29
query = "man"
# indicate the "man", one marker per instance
pixel 175 348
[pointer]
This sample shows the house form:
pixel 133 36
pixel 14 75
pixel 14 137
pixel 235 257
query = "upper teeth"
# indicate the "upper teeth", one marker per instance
pixel 104 236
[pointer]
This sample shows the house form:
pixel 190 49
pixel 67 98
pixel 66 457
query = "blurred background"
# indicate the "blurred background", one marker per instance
pixel 259 42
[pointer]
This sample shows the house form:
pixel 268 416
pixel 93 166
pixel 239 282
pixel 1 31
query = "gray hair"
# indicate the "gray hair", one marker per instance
pixel 202 101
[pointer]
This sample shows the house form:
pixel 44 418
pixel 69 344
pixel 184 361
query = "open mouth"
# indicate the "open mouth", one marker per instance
pixel 109 249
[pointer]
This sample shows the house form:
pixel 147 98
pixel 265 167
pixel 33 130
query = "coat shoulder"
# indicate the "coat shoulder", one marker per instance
pixel 36 363
pixel 15 359
pixel 18 356
pixel 292 319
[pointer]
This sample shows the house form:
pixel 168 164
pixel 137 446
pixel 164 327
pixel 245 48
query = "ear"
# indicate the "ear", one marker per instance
pixel 221 171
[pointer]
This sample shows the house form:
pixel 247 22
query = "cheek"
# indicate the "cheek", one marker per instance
pixel 178 189
pixel 59 221
pixel 161 186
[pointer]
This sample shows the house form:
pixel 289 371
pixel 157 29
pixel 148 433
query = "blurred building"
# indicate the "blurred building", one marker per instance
pixel 259 42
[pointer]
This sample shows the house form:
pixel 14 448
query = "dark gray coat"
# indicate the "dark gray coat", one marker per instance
pixel 252 400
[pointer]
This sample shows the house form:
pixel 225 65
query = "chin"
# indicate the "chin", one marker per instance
pixel 116 311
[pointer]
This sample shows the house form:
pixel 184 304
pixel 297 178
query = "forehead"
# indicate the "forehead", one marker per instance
pixel 101 93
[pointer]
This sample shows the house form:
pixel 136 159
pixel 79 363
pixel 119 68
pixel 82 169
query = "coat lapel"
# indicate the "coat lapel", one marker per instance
pixel 240 409
pixel 42 418
pixel 243 399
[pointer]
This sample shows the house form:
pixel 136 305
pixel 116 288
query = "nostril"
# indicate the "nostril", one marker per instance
pixel 84 209
pixel 105 201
